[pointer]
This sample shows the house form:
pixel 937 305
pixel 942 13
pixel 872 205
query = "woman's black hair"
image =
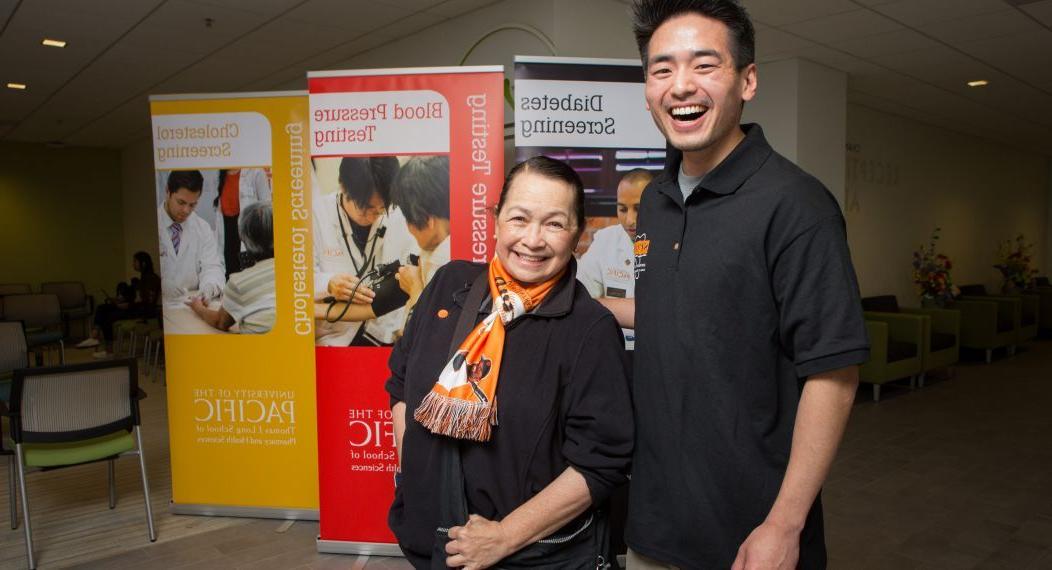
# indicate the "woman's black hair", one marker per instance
pixel 555 170
pixel 145 262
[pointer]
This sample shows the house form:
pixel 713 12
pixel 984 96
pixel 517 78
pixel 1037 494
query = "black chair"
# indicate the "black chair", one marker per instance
pixel 73 415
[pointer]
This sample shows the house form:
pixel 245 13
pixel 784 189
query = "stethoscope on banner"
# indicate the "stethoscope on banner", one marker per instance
pixel 367 268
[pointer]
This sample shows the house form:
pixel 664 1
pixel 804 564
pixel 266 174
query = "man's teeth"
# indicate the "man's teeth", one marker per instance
pixel 689 110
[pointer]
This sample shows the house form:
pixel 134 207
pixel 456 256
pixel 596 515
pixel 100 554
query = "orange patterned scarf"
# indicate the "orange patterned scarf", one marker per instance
pixel 463 402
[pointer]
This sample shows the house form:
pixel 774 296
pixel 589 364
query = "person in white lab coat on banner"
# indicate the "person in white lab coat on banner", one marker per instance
pixel 356 237
pixel 190 260
pixel 421 192
pixel 607 269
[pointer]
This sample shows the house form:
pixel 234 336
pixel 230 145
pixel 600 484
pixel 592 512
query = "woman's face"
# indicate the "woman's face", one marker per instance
pixel 536 230
pixel 136 265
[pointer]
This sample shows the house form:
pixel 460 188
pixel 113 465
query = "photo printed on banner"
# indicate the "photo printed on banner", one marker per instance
pixel 381 231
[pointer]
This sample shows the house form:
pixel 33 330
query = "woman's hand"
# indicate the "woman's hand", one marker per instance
pixel 480 543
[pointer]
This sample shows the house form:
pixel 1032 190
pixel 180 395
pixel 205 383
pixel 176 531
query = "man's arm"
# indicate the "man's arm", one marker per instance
pixel 212 272
pixel 820 421
pixel 624 310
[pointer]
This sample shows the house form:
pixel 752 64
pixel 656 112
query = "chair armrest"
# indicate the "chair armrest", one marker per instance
pixel 901 327
pixel 878 341
pixel 1010 307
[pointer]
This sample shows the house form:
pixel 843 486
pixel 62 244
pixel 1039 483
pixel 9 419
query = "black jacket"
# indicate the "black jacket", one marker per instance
pixel 563 399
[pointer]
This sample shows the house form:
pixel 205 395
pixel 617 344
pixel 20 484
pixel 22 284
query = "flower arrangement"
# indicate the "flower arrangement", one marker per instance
pixel 931 273
pixel 1014 263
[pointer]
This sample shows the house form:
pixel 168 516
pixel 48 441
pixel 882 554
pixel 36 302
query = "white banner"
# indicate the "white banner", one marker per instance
pixel 379 123
pixel 583 114
pixel 210 140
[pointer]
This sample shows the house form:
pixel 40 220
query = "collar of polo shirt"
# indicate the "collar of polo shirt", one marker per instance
pixel 728 175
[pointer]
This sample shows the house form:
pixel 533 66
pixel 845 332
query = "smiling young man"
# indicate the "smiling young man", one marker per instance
pixel 748 322
pixel 190 259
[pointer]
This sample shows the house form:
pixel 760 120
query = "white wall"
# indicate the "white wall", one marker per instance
pixel 905 178
pixel 139 200
pixel 802 107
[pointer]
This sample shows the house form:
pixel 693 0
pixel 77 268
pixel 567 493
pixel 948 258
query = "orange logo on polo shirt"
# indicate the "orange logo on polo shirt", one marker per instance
pixel 642 245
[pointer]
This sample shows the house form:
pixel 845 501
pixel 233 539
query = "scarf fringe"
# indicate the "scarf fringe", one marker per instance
pixel 457 418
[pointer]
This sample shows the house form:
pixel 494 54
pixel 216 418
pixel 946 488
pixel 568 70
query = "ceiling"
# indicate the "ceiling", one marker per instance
pixel 907 57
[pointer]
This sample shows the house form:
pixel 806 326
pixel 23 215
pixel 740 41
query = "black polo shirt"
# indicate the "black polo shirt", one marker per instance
pixel 741 293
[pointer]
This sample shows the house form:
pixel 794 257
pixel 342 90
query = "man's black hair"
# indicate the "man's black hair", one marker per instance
pixel 421 189
pixel 650 14
pixel 360 178
pixel 189 179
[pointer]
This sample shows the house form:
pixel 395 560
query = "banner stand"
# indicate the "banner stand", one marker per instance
pixel 246 512
pixel 443 129
pixel 361 548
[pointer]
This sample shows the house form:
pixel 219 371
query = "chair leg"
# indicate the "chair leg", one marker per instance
pixel 1011 350
pixel 25 506
pixel 112 484
pixel 12 491
pixel 989 355
pixel 913 382
pixel 146 357
pixel 920 379
pixel 876 392
pixel 145 485
pixel 61 353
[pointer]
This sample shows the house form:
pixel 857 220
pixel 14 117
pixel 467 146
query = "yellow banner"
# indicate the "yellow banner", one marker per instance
pixel 231 171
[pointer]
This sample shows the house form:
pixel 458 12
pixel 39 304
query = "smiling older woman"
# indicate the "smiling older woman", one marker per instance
pixel 521 484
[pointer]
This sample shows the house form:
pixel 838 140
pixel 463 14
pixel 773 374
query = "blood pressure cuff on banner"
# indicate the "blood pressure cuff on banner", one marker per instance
pixel 389 296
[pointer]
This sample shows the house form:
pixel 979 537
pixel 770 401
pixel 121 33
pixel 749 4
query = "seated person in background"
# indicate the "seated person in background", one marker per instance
pixel 190 259
pixel 607 269
pixel 248 298
pixel 421 191
pixel 137 300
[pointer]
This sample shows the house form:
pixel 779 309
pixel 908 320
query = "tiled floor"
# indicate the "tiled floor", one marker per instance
pixel 955 475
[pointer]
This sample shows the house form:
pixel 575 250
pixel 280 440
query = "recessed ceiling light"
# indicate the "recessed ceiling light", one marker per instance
pixel 16 85
pixel 979 83
pixel 53 43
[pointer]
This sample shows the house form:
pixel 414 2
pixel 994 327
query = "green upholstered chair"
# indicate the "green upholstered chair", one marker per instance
pixel 940 339
pixel 41 315
pixel 73 300
pixel 71 415
pixel 1028 310
pixel 988 324
pixel 895 349
pixel 1043 290
pixel 14 289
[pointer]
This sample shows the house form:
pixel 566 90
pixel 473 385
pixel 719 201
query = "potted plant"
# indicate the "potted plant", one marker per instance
pixel 1014 258
pixel 931 274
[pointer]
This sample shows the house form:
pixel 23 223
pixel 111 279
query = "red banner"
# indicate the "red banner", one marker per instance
pixel 432 121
